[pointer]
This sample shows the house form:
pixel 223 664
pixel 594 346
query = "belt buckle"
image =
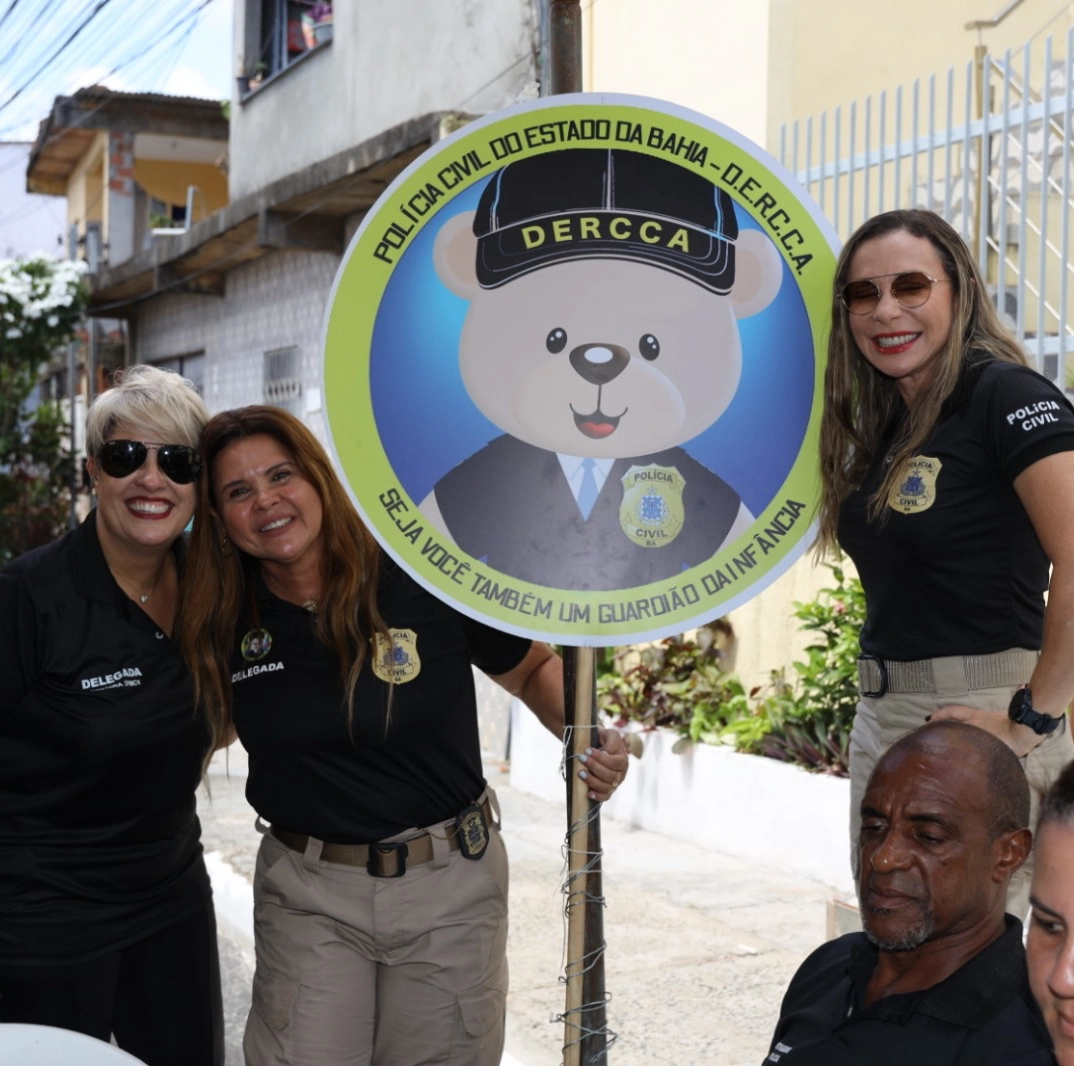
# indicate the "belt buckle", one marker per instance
pixel 882 668
pixel 379 855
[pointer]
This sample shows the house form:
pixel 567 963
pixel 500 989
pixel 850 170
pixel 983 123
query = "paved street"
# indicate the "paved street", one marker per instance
pixel 700 945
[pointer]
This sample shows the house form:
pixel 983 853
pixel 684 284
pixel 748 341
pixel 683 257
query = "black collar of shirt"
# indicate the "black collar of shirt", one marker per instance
pixel 972 368
pixel 91 578
pixel 970 997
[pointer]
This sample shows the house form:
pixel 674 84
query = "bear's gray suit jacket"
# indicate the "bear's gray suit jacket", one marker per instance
pixel 509 505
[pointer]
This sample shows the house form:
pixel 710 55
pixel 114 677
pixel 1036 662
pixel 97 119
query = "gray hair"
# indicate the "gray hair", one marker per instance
pixel 158 401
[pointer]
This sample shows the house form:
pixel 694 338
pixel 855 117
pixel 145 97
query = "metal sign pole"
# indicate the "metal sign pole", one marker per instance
pixel 585 1018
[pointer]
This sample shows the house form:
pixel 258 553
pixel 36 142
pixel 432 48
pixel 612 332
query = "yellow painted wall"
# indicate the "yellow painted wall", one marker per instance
pixel 708 55
pixel 167 181
pixel 85 188
pixel 830 52
pixel 757 65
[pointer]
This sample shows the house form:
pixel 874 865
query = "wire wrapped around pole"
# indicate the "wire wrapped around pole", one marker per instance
pixel 585 1040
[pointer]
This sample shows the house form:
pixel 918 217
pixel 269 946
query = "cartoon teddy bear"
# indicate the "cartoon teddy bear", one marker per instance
pixel 605 289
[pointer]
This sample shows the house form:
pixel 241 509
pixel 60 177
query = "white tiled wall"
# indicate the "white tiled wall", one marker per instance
pixel 276 301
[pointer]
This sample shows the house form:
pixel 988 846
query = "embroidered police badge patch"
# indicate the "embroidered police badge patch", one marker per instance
pixel 397 661
pixel 917 490
pixel 473 832
pixel 652 512
pixel 255 645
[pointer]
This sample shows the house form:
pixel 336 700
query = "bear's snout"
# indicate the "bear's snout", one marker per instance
pixel 599 363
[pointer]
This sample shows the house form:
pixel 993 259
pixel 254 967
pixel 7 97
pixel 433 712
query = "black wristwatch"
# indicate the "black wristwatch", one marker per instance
pixel 1021 711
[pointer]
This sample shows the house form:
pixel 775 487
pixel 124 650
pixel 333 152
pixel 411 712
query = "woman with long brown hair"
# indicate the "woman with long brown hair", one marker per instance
pixel 948 475
pixel 380 892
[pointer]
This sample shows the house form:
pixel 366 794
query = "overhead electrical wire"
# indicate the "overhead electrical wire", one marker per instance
pixel 30 36
pixel 163 61
pixel 183 22
pixel 144 57
pixel 7 12
pixel 100 5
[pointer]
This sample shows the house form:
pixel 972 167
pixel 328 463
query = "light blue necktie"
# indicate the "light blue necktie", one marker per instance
pixel 587 494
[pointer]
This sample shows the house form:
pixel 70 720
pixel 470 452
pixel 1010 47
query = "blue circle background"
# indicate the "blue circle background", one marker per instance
pixel 427 423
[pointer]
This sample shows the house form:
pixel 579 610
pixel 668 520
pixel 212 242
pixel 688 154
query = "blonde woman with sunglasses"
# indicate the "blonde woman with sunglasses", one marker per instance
pixel 106 916
pixel 948 478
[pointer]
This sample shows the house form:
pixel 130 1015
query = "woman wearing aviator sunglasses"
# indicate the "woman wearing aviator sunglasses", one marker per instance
pixel 106 918
pixel 948 475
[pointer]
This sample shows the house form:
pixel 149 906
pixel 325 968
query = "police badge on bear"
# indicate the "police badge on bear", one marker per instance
pixel 580 393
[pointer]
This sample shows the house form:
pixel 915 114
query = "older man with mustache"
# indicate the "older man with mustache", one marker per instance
pixel 939 975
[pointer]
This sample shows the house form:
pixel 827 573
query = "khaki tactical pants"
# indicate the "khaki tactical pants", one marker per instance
pixel 358 970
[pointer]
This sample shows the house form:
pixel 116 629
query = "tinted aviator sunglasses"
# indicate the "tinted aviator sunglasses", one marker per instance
pixel 179 463
pixel 909 289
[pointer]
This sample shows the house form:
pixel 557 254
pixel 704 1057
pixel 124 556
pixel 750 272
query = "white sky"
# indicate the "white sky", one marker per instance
pixel 205 67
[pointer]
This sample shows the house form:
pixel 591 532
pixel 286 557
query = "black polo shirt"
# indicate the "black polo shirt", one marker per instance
pixel 982 1014
pixel 958 570
pixel 100 756
pixel 421 765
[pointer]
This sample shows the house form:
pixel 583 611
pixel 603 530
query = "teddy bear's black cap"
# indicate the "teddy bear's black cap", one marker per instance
pixel 594 203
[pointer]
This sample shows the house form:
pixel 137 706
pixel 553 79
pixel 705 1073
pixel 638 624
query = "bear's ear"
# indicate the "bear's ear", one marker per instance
pixel 455 253
pixel 758 273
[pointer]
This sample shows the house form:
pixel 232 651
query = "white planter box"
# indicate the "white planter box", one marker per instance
pixel 750 807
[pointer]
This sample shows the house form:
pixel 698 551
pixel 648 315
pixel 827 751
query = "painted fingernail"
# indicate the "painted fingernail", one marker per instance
pixel 587 752
pixel 583 774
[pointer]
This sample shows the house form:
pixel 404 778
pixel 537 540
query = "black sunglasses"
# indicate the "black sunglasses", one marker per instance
pixel 909 289
pixel 179 463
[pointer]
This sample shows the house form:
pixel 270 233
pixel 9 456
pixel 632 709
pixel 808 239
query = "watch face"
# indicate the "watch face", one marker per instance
pixel 1019 705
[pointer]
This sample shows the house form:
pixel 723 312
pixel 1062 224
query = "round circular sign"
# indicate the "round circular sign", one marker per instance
pixel 573 372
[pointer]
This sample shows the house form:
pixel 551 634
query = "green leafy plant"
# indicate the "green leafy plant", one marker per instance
pixel 677 684
pixel 41 303
pixel 810 719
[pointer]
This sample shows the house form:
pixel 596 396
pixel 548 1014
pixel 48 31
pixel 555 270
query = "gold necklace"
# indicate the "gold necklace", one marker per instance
pixel 143 597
